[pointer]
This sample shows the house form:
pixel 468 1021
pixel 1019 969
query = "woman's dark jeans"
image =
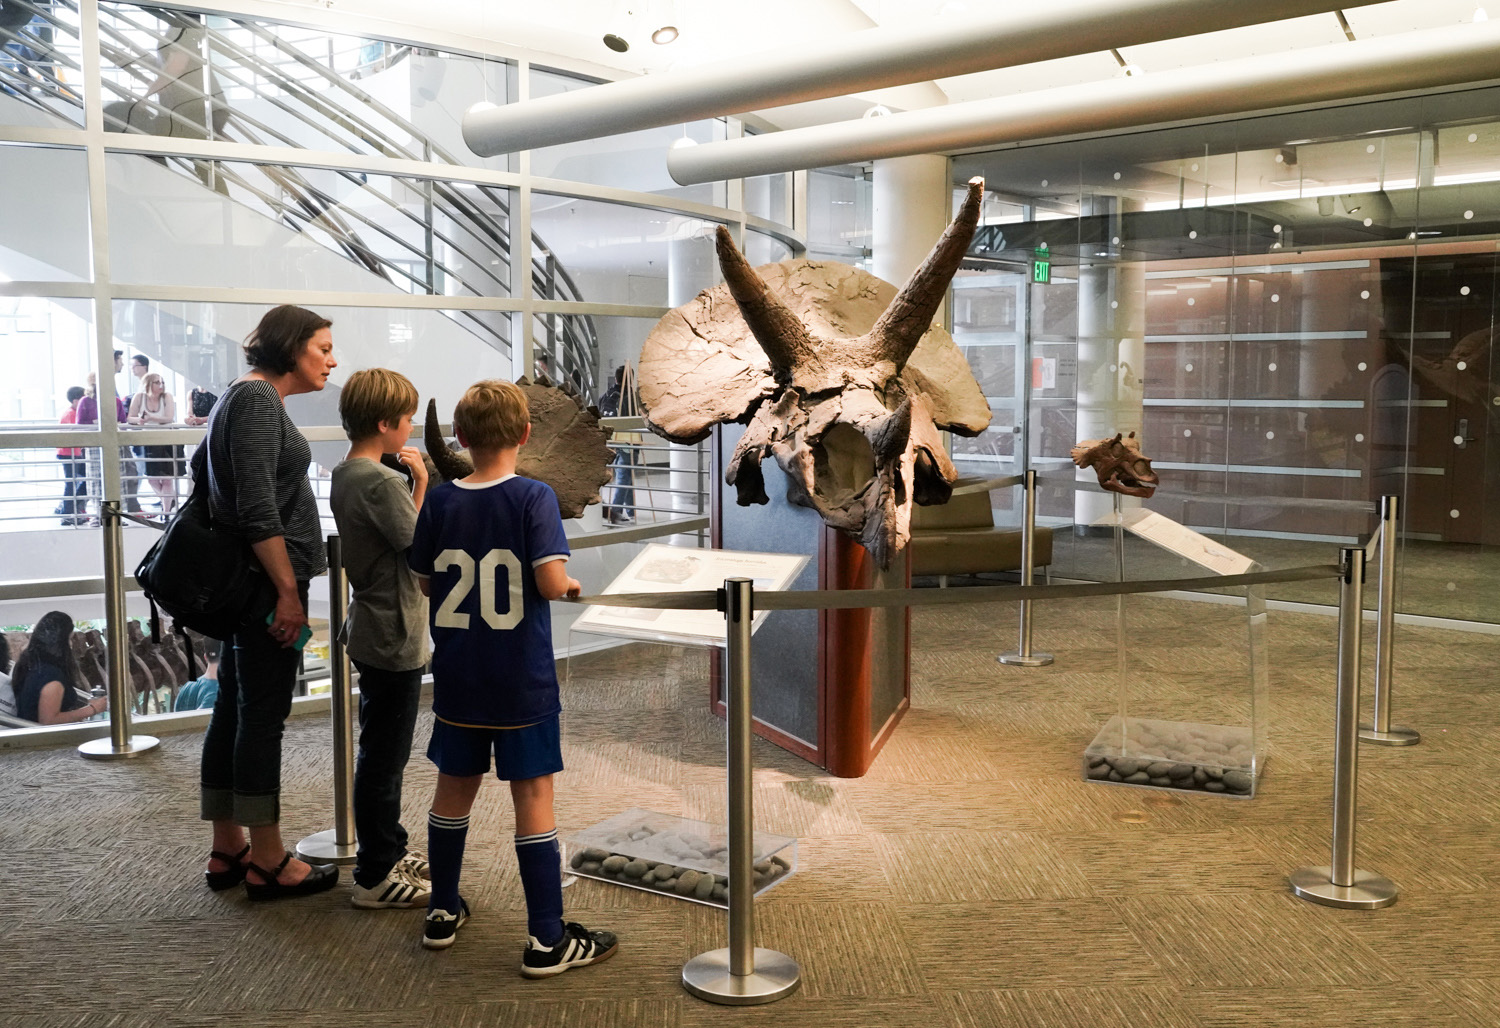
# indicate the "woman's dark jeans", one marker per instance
pixel 387 718
pixel 241 769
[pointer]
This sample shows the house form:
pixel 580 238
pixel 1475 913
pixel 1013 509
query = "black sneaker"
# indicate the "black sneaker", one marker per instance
pixel 441 926
pixel 578 947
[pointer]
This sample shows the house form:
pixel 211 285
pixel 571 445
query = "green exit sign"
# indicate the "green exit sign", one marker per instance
pixel 1041 271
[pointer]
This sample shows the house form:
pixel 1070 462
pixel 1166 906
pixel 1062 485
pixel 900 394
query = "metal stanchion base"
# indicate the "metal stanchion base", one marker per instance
pixel 104 749
pixel 776 976
pixel 1398 735
pixel 1029 660
pixel 1369 891
pixel 324 848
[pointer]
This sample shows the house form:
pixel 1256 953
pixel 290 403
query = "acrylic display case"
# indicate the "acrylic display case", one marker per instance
pixel 674 856
pixel 1143 744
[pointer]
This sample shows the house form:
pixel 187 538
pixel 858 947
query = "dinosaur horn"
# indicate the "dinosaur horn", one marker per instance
pixel 780 333
pixel 909 316
pixel 450 465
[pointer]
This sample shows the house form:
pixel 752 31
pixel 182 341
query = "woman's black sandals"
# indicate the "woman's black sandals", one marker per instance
pixel 319 877
pixel 218 881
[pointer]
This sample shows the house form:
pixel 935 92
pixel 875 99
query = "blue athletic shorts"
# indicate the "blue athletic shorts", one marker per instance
pixel 520 753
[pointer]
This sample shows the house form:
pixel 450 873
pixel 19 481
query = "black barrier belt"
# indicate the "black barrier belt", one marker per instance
pixel 844 599
pixel 115 509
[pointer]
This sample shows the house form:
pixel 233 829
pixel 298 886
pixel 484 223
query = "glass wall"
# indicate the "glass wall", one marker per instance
pixel 1296 314
pixel 165 263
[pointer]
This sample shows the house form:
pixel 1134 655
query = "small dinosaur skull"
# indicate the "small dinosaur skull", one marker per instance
pixel 1119 463
pixel 844 381
pixel 567 449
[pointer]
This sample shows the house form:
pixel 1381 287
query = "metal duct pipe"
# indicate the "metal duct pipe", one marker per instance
pixel 869 59
pixel 1391 64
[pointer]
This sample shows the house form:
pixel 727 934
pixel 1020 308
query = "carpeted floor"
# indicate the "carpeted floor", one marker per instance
pixel 971 879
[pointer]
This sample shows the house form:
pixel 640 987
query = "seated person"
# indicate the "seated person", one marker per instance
pixel 202 691
pixel 7 694
pixel 46 677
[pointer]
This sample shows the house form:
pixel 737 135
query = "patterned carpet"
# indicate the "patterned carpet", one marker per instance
pixel 972 879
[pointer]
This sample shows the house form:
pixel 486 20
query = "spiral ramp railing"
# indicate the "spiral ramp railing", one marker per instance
pixel 455 241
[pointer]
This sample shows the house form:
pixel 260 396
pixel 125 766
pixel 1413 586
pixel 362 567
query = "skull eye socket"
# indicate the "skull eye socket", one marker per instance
pixel 843 463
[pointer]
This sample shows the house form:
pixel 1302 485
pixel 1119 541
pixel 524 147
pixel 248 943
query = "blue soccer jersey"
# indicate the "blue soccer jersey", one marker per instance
pixel 477 546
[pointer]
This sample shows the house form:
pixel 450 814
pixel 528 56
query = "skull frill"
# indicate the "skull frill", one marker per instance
pixel 567 450
pixel 1119 463
pixel 846 389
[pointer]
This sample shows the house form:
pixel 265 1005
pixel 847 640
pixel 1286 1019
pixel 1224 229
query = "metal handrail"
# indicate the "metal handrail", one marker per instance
pixel 576 350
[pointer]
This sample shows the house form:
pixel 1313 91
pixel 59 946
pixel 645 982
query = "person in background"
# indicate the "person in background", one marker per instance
pixel 254 464
pixel 88 414
pixel 202 691
pixel 153 406
pixel 75 481
pixel 46 677
pixel 7 694
pixel 200 403
pixel 133 468
pixel 618 511
pixel 376 513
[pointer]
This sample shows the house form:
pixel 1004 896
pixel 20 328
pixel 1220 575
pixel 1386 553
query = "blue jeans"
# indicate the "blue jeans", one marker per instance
pixel 387 718
pixel 241 770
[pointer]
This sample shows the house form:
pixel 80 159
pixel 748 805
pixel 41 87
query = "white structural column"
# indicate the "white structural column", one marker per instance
pixel 913 203
pixel 1111 356
pixel 691 268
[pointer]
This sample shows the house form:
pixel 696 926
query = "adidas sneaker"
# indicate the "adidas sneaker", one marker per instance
pixel 577 947
pixel 441 926
pixel 416 865
pixel 398 891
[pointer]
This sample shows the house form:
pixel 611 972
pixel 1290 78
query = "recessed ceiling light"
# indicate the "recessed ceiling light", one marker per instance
pixel 616 43
pixel 664 35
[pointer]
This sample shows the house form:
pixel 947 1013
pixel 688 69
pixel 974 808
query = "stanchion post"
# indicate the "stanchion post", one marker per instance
pixel 743 974
pixel 1379 729
pixel 1341 884
pixel 1023 656
pixel 337 845
pixel 121 743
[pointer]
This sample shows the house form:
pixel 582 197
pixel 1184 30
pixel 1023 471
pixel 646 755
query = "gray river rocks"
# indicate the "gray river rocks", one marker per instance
pixel 677 863
pixel 1174 755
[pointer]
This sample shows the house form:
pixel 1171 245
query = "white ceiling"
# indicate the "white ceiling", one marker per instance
pixel 719 30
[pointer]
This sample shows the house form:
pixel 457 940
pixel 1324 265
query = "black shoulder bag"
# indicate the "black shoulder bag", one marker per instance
pixel 203 575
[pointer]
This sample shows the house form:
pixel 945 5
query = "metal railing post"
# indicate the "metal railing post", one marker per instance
pixel 1379 729
pixel 743 974
pixel 121 743
pixel 1023 657
pixel 1341 884
pixel 337 845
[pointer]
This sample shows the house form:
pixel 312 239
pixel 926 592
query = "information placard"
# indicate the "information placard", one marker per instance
pixel 660 568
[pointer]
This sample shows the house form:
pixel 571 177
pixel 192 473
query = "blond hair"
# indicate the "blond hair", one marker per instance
pixel 373 395
pixel 492 414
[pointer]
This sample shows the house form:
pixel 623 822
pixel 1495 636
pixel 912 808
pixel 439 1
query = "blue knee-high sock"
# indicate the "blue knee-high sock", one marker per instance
pixel 540 861
pixel 445 852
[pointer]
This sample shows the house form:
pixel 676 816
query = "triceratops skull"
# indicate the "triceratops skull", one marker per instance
pixel 838 388
pixel 1119 463
pixel 567 449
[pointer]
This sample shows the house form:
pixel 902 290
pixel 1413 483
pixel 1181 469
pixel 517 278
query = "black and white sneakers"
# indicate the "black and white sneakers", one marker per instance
pixel 578 947
pixel 400 890
pixel 441 926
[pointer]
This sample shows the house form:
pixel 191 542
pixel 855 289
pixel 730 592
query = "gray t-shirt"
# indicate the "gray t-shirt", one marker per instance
pixel 388 618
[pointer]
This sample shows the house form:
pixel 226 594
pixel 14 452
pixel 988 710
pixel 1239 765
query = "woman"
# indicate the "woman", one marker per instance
pixel 154 406
pixel 259 489
pixel 46 676
pixel 75 488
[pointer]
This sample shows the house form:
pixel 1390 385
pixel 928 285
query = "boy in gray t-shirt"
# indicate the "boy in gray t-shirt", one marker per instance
pixel 386 634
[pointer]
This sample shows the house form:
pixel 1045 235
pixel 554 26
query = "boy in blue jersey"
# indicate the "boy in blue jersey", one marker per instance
pixel 490 551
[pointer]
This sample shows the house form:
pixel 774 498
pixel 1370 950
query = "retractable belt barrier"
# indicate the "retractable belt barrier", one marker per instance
pixel 845 599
